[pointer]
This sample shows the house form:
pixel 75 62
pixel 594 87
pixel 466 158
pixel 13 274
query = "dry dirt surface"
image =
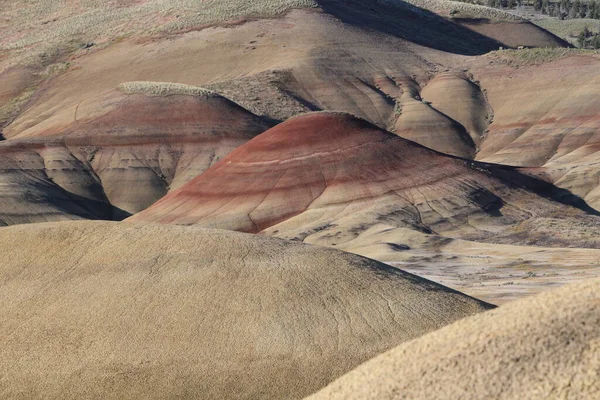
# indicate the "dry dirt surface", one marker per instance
pixel 335 54
pixel 112 310
pixel 497 273
pixel 512 35
pixel 410 132
pixel 543 347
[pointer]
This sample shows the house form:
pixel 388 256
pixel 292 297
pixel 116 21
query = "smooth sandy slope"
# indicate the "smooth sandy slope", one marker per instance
pixel 114 310
pixel 543 347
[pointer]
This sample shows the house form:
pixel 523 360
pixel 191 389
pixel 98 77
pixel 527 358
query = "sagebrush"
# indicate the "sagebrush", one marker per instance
pixel 164 89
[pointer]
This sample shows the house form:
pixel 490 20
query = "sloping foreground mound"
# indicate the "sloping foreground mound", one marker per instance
pixel 112 310
pixel 120 153
pixel 333 176
pixel 543 347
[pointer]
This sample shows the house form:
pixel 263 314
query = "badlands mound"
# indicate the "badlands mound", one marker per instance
pixel 114 310
pixel 448 114
pixel 333 176
pixel 119 153
pixel 547 346
pixel 41 180
pixel 546 115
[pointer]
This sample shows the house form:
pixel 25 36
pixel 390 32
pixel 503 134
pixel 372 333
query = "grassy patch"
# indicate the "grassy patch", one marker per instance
pixel 10 110
pixel 540 55
pixel 463 9
pixel 164 89
pixel 568 29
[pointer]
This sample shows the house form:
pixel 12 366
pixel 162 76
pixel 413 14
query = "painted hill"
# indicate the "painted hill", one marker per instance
pixel 417 68
pixel 120 153
pixel 547 346
pixel 552 126
pixel 333 175
pixel 113 310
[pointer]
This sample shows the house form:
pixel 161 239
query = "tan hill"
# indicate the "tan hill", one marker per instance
pixel 472 113
pixel 511 34
pixel 113 310
pixel 542 112
pixel 350 56
pixel 449 114
pixel 323 64
pixel 547 346
pixel 119 153
pixel 330 55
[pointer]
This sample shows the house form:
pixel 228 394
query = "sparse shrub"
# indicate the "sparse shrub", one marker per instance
pixel 545 6
pixel 164 89
pixel 465 8
pixel 538 5
pixel 540 55
pixel 594 10
pixel 581 39
pixel 574 13
pixel 569 29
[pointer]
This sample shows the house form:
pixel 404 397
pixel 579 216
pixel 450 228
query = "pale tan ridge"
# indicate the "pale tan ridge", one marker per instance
pixel 112 310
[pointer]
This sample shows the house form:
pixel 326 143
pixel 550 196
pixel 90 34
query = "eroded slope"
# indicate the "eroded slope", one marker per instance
pixel 546 115
pixel 305 177
pixel 119 153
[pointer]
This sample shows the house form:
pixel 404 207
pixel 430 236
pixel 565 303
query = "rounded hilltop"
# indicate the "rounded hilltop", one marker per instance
pixel 153 312
pixel 546 346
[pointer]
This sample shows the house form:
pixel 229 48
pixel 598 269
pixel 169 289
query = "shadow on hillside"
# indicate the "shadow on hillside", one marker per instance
pixel 515 178
pixel 87 208
pixel 411 23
